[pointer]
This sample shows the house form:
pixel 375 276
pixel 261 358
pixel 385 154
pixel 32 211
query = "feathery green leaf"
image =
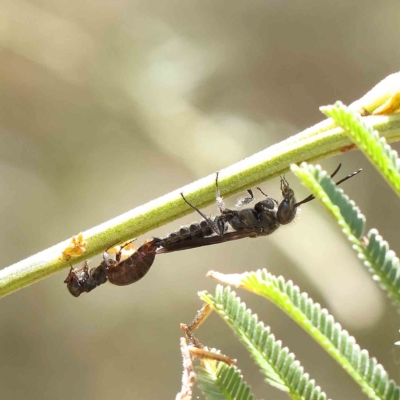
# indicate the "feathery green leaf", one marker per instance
pixel 372 250
pixel 366 371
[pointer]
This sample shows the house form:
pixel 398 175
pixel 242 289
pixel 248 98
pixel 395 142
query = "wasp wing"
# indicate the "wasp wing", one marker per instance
pixel 209 240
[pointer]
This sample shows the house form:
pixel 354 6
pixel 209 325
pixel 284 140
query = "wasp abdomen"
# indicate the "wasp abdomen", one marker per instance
pixel 134 267
pixel 193 231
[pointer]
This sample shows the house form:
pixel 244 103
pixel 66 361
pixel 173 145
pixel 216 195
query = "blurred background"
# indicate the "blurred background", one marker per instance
pixel 106 105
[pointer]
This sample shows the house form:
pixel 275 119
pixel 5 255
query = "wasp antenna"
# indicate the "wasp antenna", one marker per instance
pixel 312 197
pixel 349 176
pixel 336 170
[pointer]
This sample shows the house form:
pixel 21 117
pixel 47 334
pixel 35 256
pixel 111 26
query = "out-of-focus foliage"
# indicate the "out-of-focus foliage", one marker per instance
pixel 105 105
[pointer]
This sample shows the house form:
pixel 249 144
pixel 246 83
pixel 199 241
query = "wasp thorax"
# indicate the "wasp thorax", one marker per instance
pixel 265 205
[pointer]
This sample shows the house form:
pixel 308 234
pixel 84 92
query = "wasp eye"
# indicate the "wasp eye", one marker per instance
pixel 286 213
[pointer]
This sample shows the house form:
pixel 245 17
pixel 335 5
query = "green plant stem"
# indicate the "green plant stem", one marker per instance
pixel 320 141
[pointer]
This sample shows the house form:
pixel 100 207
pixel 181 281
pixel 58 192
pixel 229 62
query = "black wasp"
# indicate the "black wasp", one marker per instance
pixel 261 220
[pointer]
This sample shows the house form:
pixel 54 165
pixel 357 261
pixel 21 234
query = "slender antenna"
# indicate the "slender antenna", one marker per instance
pixel 312 197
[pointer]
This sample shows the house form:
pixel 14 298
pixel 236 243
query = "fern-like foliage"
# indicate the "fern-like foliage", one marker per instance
pixel 329 334
pixel 276 362
pixel 372 249
pixel 222 382
pixel 367 139
pixel 366 371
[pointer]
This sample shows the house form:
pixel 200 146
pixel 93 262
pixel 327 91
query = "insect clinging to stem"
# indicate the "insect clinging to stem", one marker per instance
pixel 263 219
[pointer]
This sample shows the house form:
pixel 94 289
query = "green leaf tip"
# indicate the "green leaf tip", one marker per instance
pixel 382 156
pixel 322 187
pixel 383 264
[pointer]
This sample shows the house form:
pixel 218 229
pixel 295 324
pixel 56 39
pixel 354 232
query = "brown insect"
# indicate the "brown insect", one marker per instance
pixel 117 272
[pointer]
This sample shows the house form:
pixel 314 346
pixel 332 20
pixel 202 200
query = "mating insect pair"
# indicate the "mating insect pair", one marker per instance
pixel 263 219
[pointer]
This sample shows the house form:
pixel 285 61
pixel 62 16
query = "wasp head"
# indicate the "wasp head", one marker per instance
pixel 287 207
